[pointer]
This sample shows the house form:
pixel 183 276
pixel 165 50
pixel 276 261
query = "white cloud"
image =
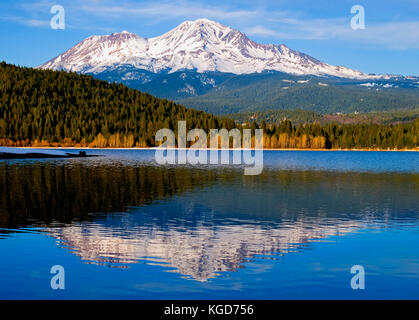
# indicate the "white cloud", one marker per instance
pixel 275 26
pixel 393 35
pixel 36 23
pixel 262 31
pixel 26 22
pixel 169 10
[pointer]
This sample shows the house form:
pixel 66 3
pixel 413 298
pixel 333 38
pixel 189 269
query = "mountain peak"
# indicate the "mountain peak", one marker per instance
pixel 203 45
pixel 202 22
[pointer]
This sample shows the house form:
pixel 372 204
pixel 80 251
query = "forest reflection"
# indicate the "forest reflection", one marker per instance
pixel 51 192
pixel 46 192
pixel 198 222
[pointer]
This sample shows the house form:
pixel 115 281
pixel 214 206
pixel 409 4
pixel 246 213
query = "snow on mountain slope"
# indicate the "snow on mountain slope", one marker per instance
pixel 202 45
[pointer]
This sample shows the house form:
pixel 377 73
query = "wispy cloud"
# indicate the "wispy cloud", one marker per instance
pixel 273 25
pixel 168 10
pixel 302 28
pixel 395 35
pixel 262 31
pixel 25 21
pixel 256 21
pixel 36 23
pixel 33 14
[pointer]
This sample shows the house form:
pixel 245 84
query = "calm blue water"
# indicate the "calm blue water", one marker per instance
pixel 124 227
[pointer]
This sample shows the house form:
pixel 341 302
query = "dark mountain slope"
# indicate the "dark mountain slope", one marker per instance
pixel 270 91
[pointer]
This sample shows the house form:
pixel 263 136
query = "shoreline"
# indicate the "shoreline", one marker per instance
pixel 230 149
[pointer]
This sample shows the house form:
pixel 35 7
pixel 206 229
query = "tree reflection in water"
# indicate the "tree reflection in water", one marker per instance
pixel 197 222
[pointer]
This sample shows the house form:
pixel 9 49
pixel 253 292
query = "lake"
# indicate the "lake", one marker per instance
pixel 123 227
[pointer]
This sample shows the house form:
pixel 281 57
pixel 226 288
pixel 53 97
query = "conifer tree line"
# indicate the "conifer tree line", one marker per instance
pixel 336 136
pixel 53 108
pixel 43 107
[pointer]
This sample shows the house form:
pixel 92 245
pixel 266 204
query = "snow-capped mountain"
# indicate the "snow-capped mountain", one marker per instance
pixel 200 45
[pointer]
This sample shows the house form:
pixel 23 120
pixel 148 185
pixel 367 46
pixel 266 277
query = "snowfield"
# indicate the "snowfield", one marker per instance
pixel 202 45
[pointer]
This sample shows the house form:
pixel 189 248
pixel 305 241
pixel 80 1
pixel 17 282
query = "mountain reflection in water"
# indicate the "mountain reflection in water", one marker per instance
pixel 200 253
pixel 196 222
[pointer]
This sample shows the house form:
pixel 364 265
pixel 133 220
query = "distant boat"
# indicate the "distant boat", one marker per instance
pixel 22 153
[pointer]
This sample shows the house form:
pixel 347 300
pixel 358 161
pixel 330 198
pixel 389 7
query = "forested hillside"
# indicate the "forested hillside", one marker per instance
pixel 67 108
pixel 274 91
pixel 335 136
pixel 303 116
pixel 51 108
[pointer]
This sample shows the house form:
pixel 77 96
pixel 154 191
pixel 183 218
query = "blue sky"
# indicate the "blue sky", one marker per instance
pixel 388 44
